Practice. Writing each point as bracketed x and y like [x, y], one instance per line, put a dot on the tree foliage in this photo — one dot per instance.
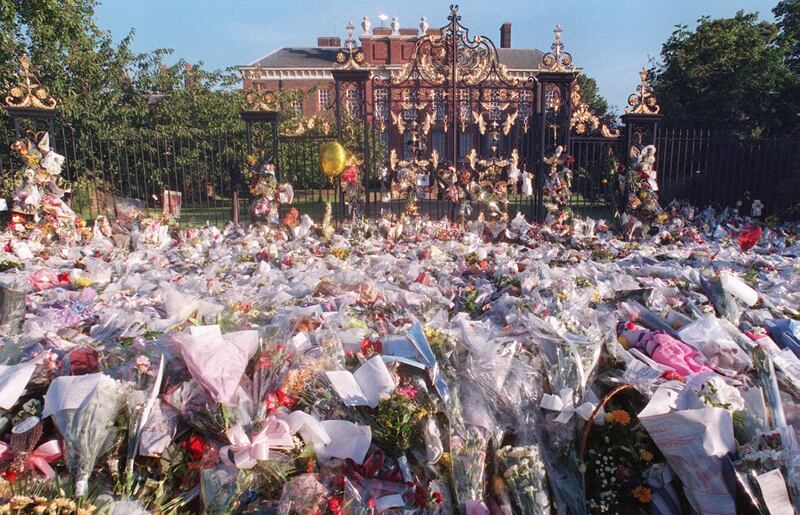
[787, 14]
[728, 74]
[590, 93]
[105, 88]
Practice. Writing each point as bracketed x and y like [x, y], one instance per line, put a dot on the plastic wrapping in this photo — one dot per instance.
[720, 351]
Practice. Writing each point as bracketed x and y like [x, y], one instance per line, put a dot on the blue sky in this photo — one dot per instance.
[609, 39]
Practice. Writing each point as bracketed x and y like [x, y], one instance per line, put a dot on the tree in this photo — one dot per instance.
[590, 94]
[78, 62]
[728, 74]
[787, 14]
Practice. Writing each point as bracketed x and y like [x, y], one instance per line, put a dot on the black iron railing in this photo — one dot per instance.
[693, 165]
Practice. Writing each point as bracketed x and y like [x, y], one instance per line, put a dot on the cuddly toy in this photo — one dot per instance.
[661, 348]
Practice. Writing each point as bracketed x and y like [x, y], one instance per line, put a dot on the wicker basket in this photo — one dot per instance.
[589, 423]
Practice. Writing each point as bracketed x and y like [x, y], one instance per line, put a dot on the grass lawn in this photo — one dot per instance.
[312, 203]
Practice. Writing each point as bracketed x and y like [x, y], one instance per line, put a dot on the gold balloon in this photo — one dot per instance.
[332, 159]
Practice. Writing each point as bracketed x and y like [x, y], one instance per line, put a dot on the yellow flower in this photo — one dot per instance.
[445, 460]
[82, 282]
[620, 417]
[643, 494]
[645, 454]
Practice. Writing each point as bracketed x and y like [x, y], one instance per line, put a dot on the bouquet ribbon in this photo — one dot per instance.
[247, 452]
[40, 458]
[565, 403]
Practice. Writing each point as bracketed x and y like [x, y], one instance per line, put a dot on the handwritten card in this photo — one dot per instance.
[69, 392]
[773, 488]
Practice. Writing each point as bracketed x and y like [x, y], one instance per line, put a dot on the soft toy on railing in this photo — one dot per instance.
[267, 194]
[641, 203]
[38, 209]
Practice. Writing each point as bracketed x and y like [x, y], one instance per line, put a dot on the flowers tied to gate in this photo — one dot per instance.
[350, 174]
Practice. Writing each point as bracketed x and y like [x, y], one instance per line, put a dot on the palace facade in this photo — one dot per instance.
[386, 51]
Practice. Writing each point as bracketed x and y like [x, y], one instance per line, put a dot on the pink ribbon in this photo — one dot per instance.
[41, 458]
[246, 452]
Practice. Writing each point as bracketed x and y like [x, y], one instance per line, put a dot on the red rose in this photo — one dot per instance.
[437, 497]
[84, 360]
[272, 402]
[194, 446]
[335, 505]
[286, 400]
[63, 277]
[350, 174]
[369, 347]
[10, 476]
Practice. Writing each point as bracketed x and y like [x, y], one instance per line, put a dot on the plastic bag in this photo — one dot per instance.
[720, 351]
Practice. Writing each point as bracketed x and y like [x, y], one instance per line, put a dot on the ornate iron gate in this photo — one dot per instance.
[452, 113]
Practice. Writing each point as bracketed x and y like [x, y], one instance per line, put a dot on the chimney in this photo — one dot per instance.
[505, 35]
[332, 41]
[188, 80]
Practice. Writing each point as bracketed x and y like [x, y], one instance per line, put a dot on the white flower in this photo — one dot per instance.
[717, 393]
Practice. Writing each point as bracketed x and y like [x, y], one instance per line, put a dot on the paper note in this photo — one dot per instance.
[347, 441]
[365, 387]
[773, 488]
[13, 380]
[375, 380]
[347, 387]
[696, 444]
[69, 392]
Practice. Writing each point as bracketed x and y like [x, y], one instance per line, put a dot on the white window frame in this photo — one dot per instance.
[324, 99]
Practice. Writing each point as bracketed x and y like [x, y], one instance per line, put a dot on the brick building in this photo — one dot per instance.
[308, 69]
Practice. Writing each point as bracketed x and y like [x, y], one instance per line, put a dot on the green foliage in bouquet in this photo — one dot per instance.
[617, 457]
[395, 421]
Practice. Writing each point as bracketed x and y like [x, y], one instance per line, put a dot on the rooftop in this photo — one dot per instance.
[324, 57]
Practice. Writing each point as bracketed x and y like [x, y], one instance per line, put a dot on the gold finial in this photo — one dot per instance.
[259, 100]
[350, 57]
[643, 101]
[28, 92]
[557, 60]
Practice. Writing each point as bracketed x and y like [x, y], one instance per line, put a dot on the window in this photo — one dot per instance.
[382, 104]
[353, 102]
[494, 111]
[464, 143]
[296, 106]
[437, 142]
[384, 137]
[464, 103]
[525, 104]
[408, 148]
[410, 100]
[439, 105]
[323, 96]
